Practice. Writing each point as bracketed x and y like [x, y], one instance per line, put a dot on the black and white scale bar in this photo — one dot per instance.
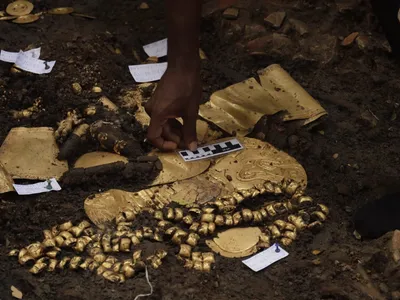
[211, 150]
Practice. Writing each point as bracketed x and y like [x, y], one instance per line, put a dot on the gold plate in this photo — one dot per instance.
[94, 159]
[60, 11]
[236, 242]
[6, 181]
[19, 8]
[31, 153]
[258, 163]
[237, 108]
[7, 18]
[175, 168]
[26, 19]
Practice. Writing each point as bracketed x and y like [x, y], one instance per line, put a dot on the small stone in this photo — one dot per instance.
[281, 44]
[77, 88]
[260, 44]
[363, 42]
[260, 136]
[299, 26]
[349, 39]
[395, 246]
[276, 19]
[396, 295]
[343, 189]
[96, 89]
[316, 252]
[254, 30]
[357, 235]
[231, 13]
[384, 288]
[321, 48]
[144, 5]
[346, 5]
[335, 156]
[316, 262]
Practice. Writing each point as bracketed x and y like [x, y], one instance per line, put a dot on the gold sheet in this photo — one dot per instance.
[31, 153]
[237, 108]
[257, 163]
[98, 158]
[6, 181]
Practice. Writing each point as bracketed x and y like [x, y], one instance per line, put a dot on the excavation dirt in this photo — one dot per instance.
[351, 156]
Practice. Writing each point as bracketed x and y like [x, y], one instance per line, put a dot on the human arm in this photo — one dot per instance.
[179, 91]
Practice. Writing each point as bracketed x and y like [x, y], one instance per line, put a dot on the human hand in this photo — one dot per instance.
[178, 95]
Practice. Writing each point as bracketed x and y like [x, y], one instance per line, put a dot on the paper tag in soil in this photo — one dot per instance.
[158, 49]
[37, 66]
[148, 72]
[12, 57]
[265, 258]
[211, 150]
[37, 188]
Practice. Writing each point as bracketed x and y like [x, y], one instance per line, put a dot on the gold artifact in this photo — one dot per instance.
[6, 181]
[98, 158]
[244, 172]
[26, 19]
[19, 8]
[236, 242]
[30, 153]
[60, 11]
[7, 18]
[237, 108]
[280, 220]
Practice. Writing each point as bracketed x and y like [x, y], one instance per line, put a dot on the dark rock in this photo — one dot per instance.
[299, 26]
[276, 19]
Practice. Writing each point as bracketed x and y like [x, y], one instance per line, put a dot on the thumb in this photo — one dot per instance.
[189, 132]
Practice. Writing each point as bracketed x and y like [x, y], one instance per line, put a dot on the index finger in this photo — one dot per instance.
[154, 136]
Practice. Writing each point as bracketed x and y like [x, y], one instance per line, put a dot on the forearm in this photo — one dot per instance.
[183, 21]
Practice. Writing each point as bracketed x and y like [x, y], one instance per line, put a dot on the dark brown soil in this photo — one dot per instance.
[358, 87]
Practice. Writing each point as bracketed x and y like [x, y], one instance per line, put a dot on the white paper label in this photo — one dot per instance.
[37, 188]
[158, 49]
[148, 72]
[12, 57]
[265, 258]
[27, 63]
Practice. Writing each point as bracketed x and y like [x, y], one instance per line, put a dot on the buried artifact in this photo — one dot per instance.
[31, 153]
[237, 108]
[82, 246]
[240, 172]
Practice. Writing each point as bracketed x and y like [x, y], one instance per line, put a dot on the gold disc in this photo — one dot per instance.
[60, 11]
[19, 8]
[7, 18]
[26, 19]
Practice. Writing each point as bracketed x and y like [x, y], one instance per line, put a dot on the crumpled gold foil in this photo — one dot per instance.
[237, 108]
[257, 163]
[31, 153]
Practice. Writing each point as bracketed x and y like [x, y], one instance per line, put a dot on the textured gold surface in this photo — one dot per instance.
[6, 181]
[26, 19]
[19, 8]
[237, 108]
[31, 153]
[60, 11]
[236, 242]
[241, 171]
[98, 158]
